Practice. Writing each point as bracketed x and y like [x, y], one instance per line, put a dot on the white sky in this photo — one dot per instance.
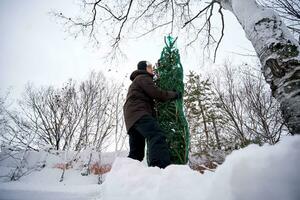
[34, 48]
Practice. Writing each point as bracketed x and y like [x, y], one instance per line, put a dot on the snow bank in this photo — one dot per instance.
[268, 172]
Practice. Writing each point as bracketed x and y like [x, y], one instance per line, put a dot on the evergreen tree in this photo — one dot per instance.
[170, 114]
[203, 114]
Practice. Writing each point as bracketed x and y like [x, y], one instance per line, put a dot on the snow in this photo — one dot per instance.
[260, 173]
[133, 180]
[266, 173]
[44, 183]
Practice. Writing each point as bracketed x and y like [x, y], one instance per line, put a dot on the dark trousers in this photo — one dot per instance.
[148, 128]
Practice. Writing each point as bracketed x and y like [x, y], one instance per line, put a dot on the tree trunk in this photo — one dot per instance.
[216, 133]
[278, 52]
[204, 122]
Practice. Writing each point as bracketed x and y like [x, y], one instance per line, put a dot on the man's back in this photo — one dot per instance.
[138, 102]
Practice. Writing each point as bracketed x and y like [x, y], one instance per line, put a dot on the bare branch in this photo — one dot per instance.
[198, 14]
[222, 32]
[122, 25]
[153, 29]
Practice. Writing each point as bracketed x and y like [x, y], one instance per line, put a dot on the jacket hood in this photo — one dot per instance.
[139, 72]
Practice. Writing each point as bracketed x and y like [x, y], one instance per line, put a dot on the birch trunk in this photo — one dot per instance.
[278, 52]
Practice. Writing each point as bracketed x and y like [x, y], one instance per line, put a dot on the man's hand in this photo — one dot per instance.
[178, 95]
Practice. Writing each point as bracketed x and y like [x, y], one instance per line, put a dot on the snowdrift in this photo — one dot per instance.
[260, 173]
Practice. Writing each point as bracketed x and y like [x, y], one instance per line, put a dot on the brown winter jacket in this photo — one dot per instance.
[141, 95]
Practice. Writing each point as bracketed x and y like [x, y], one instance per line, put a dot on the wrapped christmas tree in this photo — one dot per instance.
[170, 114]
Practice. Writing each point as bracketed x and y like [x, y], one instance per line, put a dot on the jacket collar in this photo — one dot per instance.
[139, 72]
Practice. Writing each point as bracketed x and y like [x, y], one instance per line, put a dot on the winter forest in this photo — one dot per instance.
[232, 131]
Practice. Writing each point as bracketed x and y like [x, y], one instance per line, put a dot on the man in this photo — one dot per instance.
[139, 116]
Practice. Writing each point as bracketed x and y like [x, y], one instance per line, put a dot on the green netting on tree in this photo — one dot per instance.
[170, 115]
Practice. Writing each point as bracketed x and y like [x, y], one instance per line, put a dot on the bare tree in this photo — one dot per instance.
[2, 111]
[72, 117]
[120, 131]
[253, 114]
[104, 116]
[3, 118]
[88, 92]
[264, 119]
[231, 106]
[44, 111]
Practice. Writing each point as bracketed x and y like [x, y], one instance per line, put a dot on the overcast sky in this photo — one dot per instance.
[34, 48]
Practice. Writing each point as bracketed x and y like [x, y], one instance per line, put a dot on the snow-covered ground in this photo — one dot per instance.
[260, 173]
[45, 185]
